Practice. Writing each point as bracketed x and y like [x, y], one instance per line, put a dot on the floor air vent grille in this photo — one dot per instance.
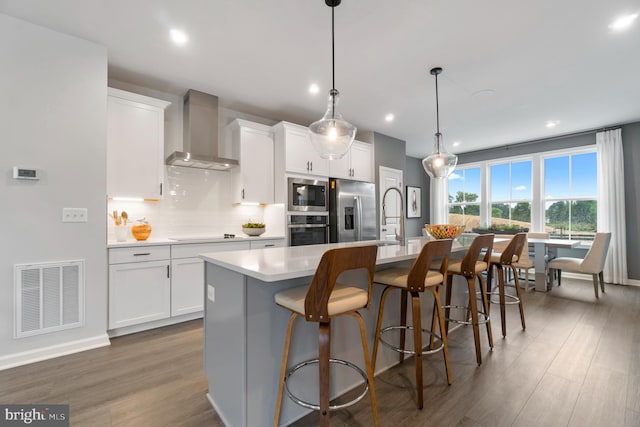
[49, 297]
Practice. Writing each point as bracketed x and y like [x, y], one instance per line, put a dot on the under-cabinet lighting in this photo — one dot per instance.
[127, 199]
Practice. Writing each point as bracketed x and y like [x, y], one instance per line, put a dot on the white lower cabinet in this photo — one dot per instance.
[148, 284]
[139, 292]
[187, 278]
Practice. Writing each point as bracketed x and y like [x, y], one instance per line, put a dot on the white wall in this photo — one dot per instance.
[52, 116]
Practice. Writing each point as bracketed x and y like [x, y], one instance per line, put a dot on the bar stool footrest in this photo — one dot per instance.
[496, 293]
[316, 407]
[410, 352]
[482, 317]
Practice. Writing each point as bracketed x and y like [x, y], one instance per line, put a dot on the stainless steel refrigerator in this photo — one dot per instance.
[352, 211]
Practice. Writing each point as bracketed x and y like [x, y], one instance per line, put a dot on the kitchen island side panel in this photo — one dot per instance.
[225, 343]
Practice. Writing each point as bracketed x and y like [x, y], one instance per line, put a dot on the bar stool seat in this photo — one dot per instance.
[344, 298]
[456, 267]
[320, 302]
[414, 281]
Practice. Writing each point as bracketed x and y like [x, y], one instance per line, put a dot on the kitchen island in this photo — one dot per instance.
[244, 330]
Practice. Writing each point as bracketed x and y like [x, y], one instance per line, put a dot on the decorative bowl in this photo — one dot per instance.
[444, 231]
[253, 231]
[141, 231]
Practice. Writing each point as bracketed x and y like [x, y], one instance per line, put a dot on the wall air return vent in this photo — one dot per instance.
[49, 297]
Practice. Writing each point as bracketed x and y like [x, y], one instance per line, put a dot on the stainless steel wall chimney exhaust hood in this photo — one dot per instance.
[200, 139]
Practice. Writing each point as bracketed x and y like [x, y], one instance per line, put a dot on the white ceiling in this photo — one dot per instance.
[542, 60]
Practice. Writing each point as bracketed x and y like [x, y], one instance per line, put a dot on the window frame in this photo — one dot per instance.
[538, 202]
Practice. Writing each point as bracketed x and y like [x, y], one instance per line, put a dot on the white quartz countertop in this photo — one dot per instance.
[275, 264]
[188, 239]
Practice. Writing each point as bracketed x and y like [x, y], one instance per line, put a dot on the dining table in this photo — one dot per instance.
[542, 247]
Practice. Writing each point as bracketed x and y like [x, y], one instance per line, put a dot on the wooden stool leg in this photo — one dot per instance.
[443, 333]
[369, 368]
[447, 311]
[473, 307]
[283, 369]
[403, 321]
[485, 303]
[434, 319]
[324, 352]
[376, 340]
[520, 303]
[417, 344]
[503, 319]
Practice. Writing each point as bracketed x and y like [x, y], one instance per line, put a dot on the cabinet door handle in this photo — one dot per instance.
[168, 272]
[311, 166]
[243, 194]
[142, 254]
[307, 166]
[161, 189]
[269, 246]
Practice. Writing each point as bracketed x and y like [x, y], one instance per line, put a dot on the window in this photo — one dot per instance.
[554, 192]
[511, 194]
[464, 197]
[571, 196]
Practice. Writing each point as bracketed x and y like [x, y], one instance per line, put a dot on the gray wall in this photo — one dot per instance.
[415, 176]
[53, 109]
[389, 152]
[631, 147]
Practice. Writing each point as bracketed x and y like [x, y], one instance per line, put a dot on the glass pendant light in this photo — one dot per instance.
[440, 163]
[332, 136]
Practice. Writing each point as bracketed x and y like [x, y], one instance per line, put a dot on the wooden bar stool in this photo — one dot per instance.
[415, 281]
[472, 267]
[320, 302]
[507, 260]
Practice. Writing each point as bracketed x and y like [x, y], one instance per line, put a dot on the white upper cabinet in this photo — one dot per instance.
[253, 147]
[357, 164]
[299, 155]
[135, 145]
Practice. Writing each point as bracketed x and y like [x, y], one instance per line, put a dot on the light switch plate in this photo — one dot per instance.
[211, 293]
[74, 214]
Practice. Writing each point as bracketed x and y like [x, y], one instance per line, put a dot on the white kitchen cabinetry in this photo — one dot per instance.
[294, 143]
[268, 243]
[135, 145]
[139, 285]
[187, 279]
[357, 164]
[253, 147]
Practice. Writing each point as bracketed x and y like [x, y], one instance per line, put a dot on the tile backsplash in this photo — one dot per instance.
[197, 202]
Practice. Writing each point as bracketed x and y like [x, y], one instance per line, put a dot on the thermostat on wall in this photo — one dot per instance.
[25, 173]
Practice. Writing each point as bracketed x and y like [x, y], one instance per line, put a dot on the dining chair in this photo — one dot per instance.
[475, 262]
[320, 302]
[501, 262]
[415, 280]
[592, 263]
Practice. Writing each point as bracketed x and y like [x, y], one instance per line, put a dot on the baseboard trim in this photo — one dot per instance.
[126, 330]
[51, 352]
[215, 407]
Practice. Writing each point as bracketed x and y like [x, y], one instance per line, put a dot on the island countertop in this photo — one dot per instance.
[275, 264]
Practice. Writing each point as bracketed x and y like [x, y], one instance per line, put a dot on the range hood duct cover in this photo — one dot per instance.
[200, 138]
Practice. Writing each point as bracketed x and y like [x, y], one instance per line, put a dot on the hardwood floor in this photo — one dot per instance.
[577, 364]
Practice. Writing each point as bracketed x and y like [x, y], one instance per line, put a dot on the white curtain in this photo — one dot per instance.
[439, 200]
[611, 207]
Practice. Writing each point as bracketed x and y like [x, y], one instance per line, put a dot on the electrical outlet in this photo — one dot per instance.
[211, 293]
[74, 214]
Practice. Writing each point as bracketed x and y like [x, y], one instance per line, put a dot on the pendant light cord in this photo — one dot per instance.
[437, 108]
[333, 51]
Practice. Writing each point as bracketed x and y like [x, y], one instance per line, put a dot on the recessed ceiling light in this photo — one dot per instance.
[389, 117]
[456, 143]
[178, 37]
[552, 123]
[623, 22]
[313, 89]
